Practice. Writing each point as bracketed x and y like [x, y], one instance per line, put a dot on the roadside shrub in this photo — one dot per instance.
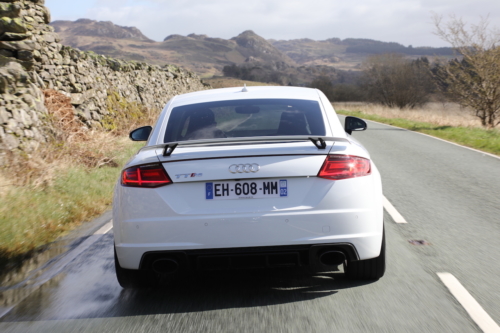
[391, 80]
[348, 93]
[338, 92]
[324, 83]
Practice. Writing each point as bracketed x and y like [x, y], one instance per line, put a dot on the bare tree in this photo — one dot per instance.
[474, 81]
[392, 80]
[323, 83]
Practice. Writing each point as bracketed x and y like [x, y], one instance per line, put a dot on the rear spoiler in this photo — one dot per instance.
[318, 141]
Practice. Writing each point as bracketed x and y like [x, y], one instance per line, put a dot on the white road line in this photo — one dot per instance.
[398, 218]
[477, 313]
[105, 228]
[70, 256]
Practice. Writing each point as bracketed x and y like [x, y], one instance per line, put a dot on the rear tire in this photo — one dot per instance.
[133, 278]
[370, 269]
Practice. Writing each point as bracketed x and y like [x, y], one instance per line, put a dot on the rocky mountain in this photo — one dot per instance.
[257, 48]
[200, 51]
[85, 27]
[247, 46]
[207, 56]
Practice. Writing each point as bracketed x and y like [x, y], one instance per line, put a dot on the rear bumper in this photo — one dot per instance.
[355, 247]
[307, 256]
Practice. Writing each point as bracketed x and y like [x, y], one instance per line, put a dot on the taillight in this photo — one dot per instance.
[152, 175]
[344, 166]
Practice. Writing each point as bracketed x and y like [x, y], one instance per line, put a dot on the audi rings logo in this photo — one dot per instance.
[241, 168]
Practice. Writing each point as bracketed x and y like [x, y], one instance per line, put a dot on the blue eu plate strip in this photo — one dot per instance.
[209, 190]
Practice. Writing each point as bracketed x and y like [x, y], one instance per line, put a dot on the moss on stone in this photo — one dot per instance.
[121, 112]
[9, 9]
[15, 25]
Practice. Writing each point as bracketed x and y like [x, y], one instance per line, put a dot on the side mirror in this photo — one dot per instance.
[354, 124]
[141, 133]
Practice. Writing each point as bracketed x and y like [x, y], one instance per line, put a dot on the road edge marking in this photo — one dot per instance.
[396, 216]
[105, 228]
[435, 137]
[473, 308]
[71, 255]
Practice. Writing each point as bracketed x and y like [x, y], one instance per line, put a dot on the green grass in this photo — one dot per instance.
[477, 138]
[31, 218]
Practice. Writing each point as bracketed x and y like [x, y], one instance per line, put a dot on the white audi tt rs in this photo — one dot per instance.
[259, 177]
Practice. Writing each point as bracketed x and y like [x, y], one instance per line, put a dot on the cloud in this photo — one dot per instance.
[403, 21]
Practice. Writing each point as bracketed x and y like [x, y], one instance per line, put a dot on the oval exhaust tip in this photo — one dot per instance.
[332, 258]
[165, 265]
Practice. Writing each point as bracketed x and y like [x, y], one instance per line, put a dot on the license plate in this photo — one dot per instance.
[246, 189]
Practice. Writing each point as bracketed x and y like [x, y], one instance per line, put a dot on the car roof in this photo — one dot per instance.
[253, 92]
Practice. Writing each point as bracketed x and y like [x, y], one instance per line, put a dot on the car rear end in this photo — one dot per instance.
[272, 183]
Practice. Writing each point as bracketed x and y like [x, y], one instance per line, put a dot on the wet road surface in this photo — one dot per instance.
[88, 299]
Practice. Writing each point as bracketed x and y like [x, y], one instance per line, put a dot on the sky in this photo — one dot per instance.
[408, 22]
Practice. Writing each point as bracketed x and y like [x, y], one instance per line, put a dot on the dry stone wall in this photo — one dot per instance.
[32, 59]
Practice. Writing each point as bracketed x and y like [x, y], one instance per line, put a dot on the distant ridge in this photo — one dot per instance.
[208, 55]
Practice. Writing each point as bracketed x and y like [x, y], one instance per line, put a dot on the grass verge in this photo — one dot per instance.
[477, 138]
[66, 180]
[32, 217]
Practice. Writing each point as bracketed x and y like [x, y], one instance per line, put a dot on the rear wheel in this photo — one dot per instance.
[370, 269]
[134, 279]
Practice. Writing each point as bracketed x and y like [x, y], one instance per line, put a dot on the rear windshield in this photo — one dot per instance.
[244, 118]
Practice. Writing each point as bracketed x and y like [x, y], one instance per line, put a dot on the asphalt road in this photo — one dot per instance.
[450, 197]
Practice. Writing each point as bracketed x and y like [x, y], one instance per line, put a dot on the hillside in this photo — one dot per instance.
[348, 54]
[207, 56]
[200, 53]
